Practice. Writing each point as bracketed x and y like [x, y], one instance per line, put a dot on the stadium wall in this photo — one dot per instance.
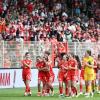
[12, 78]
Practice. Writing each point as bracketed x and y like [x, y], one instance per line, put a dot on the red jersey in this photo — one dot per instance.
[26, 72]
[63, 64]
[40, 64]
[66, 64]
[43, 75]
[63, 71]
[25, 68]
[51, 71]
[95, 64]
[72, 63]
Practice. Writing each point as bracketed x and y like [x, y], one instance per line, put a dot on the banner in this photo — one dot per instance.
[6, 78]
[19, 81]
[10, 78]
[34, 80]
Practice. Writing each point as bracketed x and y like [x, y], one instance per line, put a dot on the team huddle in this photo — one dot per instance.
[71, 71]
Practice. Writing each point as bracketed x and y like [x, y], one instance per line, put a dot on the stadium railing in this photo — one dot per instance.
[11, 52]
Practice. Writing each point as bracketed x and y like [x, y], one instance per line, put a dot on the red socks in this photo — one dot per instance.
[27, 88]
[74, 90]
[61, 90]
[48, 90]
[81, 87]
[66, 91]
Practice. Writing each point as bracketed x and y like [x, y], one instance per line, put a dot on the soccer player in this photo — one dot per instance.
[51, 80]
[43, 75]
[26, 73]
[88, 63]
[49, 74]
[80, 74]
[81, 80]
[62, 74]
[40, 64]
[94, 85]
[72, 76]
[98, 65]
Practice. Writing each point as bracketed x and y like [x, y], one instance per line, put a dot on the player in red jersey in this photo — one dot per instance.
[98, 66]
[63, 64]
[40, 64]
[94, 85]
[80, 75]
[52, 76]
[26, 72]
[51, 80]
[48, 74]
[44, 75]
[81, 80]
[71, 76]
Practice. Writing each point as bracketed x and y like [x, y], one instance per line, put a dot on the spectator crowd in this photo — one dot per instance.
[45, 20]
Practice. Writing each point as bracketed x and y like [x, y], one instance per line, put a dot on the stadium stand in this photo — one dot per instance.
[40, 20]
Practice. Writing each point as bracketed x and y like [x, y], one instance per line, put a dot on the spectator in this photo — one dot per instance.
[36, 21]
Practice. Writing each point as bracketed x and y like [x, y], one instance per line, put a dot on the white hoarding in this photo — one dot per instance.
[6, 78]
[10, 78]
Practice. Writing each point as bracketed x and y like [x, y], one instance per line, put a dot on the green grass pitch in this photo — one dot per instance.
[17, 94]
